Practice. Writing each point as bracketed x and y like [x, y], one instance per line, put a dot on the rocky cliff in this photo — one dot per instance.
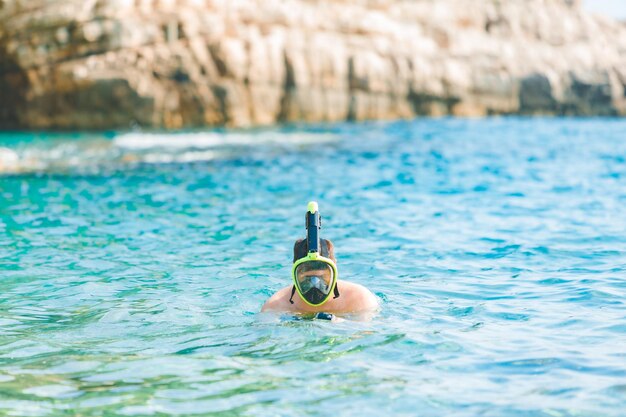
[182, 63]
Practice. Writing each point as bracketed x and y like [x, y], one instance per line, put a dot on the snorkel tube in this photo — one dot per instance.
[313, 226]
[314, 275]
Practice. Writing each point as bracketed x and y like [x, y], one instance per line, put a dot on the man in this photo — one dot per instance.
[315, 279]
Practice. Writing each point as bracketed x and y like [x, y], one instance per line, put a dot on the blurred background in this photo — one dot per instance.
[120, 64]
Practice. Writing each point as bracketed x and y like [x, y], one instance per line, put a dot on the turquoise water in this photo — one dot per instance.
[133, 267]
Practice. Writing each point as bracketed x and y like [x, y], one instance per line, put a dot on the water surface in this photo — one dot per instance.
[133, 267]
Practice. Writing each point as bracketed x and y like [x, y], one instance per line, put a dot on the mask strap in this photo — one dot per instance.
[293, 291]
[336, 292]
[323, 248]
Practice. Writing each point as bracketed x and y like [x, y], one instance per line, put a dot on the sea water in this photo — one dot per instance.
[133, 267]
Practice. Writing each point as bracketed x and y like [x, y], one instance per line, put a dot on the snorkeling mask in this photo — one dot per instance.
[314, 276]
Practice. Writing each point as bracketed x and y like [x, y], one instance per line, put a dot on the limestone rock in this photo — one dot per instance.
[183, 63]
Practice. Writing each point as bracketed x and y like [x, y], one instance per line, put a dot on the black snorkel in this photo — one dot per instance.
[313, 226]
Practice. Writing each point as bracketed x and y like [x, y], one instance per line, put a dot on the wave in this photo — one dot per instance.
[213, 140]
[55, 154]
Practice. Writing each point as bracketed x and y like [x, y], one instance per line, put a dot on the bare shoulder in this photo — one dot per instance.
[358, 297]
[354, 298]
[278, 301]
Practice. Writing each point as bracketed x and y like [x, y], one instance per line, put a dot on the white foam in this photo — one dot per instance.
[9, 160]
[141, 141]
[150, 148]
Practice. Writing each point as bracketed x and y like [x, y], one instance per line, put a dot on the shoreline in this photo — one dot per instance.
[296, 125]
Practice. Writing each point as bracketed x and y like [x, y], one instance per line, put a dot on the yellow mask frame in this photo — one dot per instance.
[314, 256]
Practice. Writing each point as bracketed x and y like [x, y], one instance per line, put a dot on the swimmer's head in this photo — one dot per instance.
[327, 249]
[314, 269]
[314, 273]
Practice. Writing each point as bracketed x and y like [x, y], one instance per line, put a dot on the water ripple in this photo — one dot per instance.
[133, 267]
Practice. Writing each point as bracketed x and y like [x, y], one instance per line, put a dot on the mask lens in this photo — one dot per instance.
[314, 279]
